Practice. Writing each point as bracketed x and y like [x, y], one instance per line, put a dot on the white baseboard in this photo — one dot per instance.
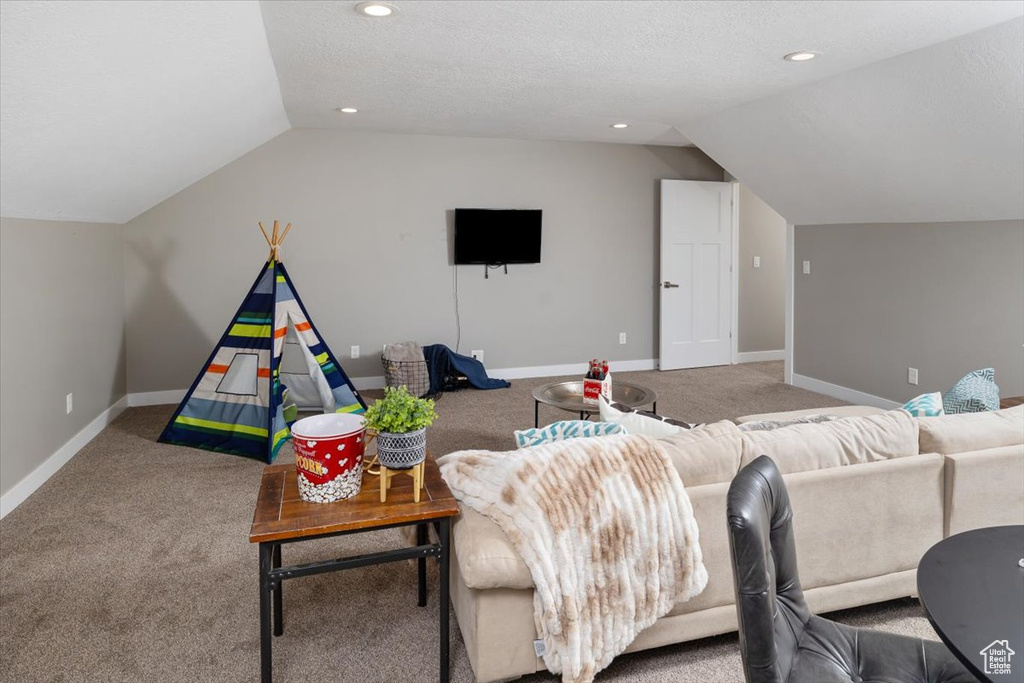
[843, 393]
[172, 396]
[760, 356]
[24, 488]
[578, 369]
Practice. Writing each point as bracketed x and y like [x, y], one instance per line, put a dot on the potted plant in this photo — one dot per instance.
[400, 420]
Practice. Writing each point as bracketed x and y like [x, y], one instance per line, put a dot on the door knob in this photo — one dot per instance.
[669, 285]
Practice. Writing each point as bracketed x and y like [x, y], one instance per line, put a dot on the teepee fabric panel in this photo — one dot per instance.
[215, 418]
[228, 412]
[346, 399]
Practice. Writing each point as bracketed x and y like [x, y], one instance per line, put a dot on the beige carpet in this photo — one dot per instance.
[132, 563]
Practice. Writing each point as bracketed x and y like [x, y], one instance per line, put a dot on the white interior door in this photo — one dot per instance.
[696, 274]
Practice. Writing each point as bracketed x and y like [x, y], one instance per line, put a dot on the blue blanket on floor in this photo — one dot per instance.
[442, 363]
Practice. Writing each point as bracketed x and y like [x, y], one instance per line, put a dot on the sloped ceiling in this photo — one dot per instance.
[107, 108]
[110, 107]
[567, 69]
[933, 135]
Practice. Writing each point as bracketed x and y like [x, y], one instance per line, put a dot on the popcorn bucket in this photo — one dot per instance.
[329, 456]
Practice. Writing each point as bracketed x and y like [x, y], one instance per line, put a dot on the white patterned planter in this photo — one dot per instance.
[401, 451]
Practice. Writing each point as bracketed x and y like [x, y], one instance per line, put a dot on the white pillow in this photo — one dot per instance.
[637, 424]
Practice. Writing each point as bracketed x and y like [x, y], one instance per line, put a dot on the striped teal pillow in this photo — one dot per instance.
[925, 405]
[567, 429]
[974, 393]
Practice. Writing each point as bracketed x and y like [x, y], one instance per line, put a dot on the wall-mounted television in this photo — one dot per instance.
[497, 236]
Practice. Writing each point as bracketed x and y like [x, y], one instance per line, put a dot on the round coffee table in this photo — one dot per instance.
[569, 396]
[971, 586]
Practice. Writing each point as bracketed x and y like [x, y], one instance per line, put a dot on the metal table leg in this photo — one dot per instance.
[443, 540]
[278, 589]
[421, 565]
[536, 413]
[266, 560]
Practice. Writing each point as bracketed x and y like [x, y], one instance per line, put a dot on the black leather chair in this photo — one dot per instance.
[780, 640]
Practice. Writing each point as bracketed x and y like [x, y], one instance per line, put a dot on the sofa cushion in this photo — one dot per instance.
[838, 411]
[706, 455]
[849, 441]
[984, 488]
[768, 425]
[487, 559]
[964, 432]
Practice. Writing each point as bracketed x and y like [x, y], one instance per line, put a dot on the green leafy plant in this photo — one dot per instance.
[400, 412]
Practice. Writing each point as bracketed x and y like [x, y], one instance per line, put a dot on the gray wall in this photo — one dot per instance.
[945, 298]
[369, 253]
[61, 331]
[762, 295]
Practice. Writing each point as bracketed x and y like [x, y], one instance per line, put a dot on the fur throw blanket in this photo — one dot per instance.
[606, 529]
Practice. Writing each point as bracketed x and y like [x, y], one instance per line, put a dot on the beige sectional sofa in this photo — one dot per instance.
[871, 492]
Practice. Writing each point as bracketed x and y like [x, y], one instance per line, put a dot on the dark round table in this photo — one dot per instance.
[972, 588]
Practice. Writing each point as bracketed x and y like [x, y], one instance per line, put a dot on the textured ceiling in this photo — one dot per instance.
[110, 107]
[566, 70]
[933, 135]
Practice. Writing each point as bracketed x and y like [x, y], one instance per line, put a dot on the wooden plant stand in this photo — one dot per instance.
[416, 472]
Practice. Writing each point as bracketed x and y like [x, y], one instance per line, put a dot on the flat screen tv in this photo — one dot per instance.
[497, 236]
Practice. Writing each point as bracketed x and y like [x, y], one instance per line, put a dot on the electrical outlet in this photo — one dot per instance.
[354, 352]
[70, 402]
[622, 337]
[478, 354]
[807, 267]
[912, 376]
[757, 261]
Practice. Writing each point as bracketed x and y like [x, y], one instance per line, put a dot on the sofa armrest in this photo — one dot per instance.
[984, 488]
[486, 557]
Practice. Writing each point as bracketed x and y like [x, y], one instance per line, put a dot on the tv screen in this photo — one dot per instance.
[497, 236]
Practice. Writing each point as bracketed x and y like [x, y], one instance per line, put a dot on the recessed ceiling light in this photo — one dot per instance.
[801, 56]
[620, 125]
[347, 110]
[376, 9]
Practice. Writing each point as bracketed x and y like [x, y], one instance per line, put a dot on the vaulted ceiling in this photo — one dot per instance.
[933, 135]
[912, 112]
[108, 108]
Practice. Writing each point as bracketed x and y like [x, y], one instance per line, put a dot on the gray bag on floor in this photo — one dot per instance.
[404, 366]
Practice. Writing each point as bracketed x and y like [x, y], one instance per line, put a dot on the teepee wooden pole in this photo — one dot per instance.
[265, 235]
[275, 239]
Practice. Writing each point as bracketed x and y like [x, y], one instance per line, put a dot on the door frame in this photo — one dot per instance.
[734, 269]
[734, 272]
[787, 366]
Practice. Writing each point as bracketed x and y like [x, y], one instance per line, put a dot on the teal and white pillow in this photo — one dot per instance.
[567, 429]
[976, 392]
[925, 405]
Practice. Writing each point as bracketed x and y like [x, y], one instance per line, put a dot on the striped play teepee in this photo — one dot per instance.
[235, 404]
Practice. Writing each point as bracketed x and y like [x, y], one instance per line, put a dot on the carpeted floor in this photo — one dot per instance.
[132, 563]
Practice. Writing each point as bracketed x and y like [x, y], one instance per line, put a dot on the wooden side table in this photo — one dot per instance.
[1011, 401]
[282, 517]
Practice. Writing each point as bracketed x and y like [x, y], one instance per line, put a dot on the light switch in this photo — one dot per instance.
[757, 261]
[807, 267]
